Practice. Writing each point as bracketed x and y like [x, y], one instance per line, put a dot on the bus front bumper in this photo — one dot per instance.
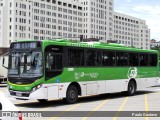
[31, 95]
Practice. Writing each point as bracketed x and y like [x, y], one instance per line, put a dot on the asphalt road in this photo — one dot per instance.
[115, 106]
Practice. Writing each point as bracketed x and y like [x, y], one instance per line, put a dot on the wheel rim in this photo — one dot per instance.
[72, 94]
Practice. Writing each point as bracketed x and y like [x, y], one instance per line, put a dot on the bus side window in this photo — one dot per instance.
[153, 60]
[93, 58]
[108, 58]
[90, 58]
[121, 59]
[143, 59]
[75, 57]
[97, 58]
[133, 59]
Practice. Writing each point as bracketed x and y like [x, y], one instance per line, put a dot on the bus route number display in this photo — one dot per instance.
[27, 45]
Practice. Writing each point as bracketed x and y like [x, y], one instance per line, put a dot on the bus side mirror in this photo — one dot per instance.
[0, 106]
[5, 61]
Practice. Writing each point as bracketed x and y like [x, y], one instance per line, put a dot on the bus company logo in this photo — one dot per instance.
[93, 75]
[82, 74]
[79, 75]
[132, 72]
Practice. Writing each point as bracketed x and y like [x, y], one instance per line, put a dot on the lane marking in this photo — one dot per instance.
[33, 101]
[95, 109]
[146, 105]
[54, 117]
[120, 108]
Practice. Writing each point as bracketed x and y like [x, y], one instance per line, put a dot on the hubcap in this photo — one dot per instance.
[72, 94]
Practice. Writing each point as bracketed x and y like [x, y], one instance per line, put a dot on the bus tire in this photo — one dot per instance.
[131, 88]
[71, 95]
[42, 100]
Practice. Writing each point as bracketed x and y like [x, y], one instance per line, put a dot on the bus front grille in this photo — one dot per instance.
[19, 94]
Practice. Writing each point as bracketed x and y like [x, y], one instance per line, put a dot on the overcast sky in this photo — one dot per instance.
[148, 10]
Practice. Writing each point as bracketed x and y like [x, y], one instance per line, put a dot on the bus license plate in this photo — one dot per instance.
[19, 94]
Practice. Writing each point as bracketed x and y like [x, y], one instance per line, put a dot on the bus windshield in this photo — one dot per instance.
[25, 64]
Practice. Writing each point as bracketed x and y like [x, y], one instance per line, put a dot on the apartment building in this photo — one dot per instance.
[4, 22]
[98, 19]
[41, 19]
[53, 19]
[131, 31]
[48, 19]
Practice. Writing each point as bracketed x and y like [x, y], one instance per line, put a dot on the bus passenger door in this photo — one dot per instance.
[53, 62]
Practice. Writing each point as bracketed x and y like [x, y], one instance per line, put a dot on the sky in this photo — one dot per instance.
[148, 10]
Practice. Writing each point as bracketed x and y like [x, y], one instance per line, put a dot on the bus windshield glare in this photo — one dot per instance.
[25, 64]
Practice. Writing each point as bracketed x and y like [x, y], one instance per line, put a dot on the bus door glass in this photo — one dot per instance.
[54, 62]
[53, 58]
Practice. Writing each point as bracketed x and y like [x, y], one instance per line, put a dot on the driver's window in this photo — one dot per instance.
[37, 60]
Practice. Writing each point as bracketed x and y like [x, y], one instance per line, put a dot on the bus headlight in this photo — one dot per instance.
[36, 87]
[9, 87]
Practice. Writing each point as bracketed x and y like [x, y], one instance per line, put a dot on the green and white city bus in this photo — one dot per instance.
[51, 69]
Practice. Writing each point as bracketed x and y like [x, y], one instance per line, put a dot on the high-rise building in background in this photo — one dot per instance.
[49, 19]
[98, 19]
[131, 31]
[4, 23]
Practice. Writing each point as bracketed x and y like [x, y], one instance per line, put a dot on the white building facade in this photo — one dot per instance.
[42, 19]
[98, 19]
[131, 31]
[4, 23]
[49, 19]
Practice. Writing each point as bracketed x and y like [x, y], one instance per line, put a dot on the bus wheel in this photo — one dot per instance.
[42, 100]
[131, 88]
[71, 95]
